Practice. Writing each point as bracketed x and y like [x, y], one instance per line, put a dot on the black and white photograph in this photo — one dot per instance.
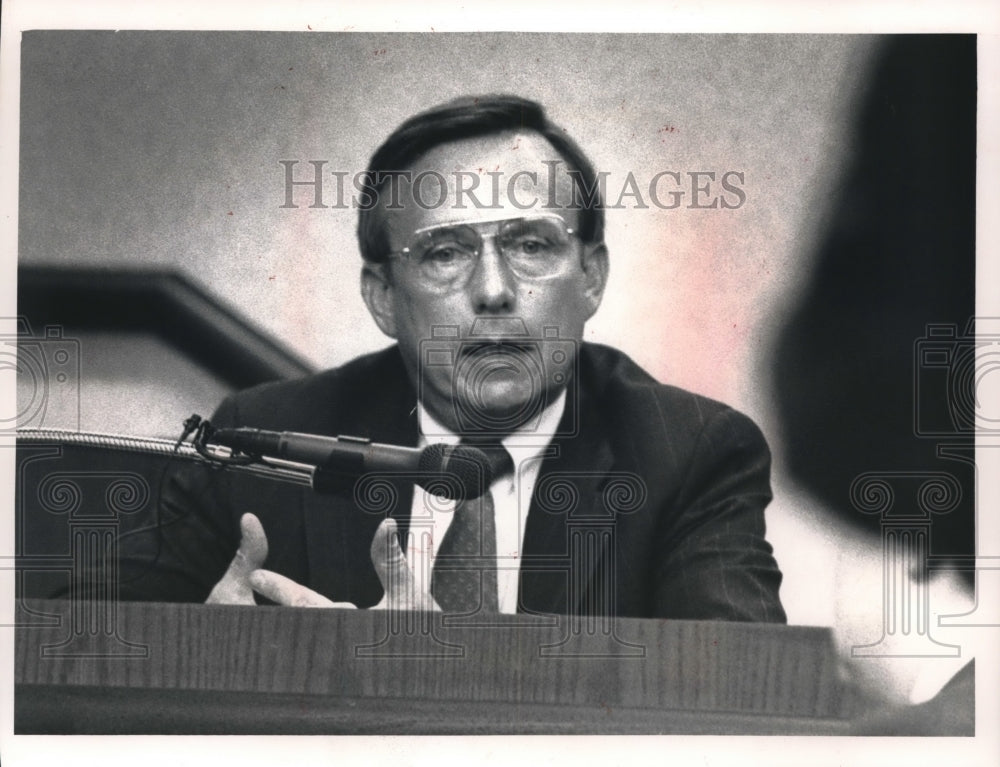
[410, 380]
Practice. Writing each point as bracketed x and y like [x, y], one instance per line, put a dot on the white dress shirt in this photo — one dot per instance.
[431, 515]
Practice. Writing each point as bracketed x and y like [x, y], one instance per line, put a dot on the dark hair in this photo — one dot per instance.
[468, 117]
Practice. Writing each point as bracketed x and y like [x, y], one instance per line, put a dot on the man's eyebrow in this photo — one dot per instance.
[442, 228]
[472, 223]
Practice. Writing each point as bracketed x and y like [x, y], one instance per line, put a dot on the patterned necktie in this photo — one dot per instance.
[465, 575]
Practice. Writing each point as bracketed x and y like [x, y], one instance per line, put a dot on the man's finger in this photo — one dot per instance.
[234, 586]
[394, 572]
[285, 591]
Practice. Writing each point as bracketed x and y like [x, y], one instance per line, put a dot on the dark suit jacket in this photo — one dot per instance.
[655, 508]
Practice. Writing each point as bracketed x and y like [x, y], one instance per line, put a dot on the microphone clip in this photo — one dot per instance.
[202, 431]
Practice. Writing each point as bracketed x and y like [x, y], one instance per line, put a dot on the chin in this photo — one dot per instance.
[501, 408]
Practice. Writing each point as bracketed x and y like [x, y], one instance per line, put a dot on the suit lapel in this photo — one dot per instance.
[567, 503]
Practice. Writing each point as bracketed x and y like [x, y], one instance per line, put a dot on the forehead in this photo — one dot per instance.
[486, 178]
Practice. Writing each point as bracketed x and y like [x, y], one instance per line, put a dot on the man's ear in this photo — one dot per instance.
[595, 274]
[376, 290]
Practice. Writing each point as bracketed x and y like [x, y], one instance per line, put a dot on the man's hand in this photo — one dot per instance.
[246, 576]
[394, 573]
[235, 587]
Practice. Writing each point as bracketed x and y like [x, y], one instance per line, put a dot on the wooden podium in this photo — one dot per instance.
[147, 668]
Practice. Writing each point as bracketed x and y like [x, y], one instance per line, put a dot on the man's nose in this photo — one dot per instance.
[492, 286]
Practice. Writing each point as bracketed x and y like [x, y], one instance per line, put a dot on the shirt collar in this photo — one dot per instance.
[523, 444]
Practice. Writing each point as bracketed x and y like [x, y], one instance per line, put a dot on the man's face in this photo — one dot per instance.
[487, 303]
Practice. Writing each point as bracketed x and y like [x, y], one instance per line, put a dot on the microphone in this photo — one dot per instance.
[467, 467]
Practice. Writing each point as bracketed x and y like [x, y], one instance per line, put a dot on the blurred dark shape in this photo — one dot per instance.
[898, 256]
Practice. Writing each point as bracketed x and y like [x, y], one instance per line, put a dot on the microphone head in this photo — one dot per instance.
[458, 472]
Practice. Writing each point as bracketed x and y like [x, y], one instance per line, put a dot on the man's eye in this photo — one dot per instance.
[531, 246]
[444, 255]
[440, 255]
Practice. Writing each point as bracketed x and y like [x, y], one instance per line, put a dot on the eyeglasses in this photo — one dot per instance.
[443, 257]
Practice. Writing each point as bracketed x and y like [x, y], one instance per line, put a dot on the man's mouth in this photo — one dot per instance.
[477, 349]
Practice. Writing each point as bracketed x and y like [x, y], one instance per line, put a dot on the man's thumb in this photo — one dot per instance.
[253, 545]
[234, 587]
[390, 564]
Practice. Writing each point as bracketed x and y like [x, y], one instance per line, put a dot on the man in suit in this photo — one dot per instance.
[618, 495]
